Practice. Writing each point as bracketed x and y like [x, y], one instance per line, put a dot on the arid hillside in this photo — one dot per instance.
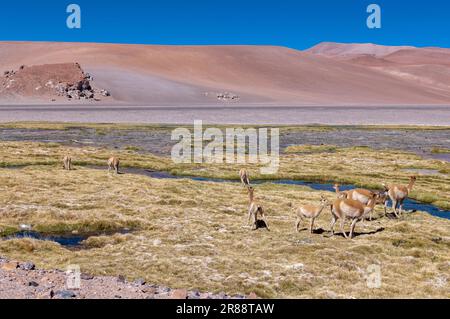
[218, 75]
[427, 67]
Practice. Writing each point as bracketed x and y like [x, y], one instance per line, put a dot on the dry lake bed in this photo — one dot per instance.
[232, 114]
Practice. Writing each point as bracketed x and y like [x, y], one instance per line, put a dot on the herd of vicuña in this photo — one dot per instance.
[354, 205]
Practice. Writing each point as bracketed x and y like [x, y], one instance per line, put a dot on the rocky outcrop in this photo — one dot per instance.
[226, 96]
[65, 81]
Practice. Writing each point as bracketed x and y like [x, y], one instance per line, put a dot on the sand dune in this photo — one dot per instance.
[178, 75]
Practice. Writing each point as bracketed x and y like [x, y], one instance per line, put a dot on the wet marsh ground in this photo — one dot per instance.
[194, 235]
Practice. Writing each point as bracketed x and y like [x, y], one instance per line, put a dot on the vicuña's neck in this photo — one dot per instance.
[411, 185]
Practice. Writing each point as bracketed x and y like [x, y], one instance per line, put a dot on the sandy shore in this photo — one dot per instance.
[279, 115]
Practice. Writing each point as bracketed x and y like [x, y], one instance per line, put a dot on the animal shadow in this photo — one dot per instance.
[261, 224]
[357, 234]
[318, 231]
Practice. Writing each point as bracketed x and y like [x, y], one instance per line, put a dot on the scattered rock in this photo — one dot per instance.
[179, 294]
[297, 267]
[252, 295]
[105, 93]
[140, 282]
[84, 276]
[47, 284]
[65, 294]
[27, 266]
[10, 266]
[194, 295]
[227, 96]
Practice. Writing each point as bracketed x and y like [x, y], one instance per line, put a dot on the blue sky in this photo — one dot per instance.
[292, 23]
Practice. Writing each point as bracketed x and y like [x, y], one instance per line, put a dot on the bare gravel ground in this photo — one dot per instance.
[23, 281]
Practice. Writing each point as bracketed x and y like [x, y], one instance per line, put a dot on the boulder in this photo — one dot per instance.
[65, 294]
[179, 294]
[252, 296]
[140, 282]
[105, 93]
[27, 266]
[121, 279]
[10, 266]
[86, 276]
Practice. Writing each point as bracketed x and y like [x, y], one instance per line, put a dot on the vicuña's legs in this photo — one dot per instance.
[333, 222]
[311, 227]
[400, 207]
[250, 213]
[352, 228]
[297, 223]
[342, 228]
[263, 217]
[394, 207]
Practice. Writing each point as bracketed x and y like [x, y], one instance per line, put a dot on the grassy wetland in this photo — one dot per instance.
[193, 234]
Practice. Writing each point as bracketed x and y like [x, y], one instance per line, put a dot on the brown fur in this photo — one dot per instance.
[351, 209]
[245, 177]
[67, 163]
[339, 193]
[254, 209]
[398, 194]
[310, 212]
[113, 163]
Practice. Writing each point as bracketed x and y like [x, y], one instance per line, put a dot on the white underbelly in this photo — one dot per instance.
[399, 194]
[360, 198]
[349, 210]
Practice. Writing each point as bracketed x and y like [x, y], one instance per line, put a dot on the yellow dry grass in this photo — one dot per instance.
[193, 235]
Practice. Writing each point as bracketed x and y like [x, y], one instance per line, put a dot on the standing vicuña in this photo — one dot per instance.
[398, 194]
[351, 209]
[245, 177]
[363, 196]
[339, 193]
[113, 163]
[67, 163]
[310, 211]
[255, 209]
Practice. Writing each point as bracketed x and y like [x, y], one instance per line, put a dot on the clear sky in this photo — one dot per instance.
[293, 23]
